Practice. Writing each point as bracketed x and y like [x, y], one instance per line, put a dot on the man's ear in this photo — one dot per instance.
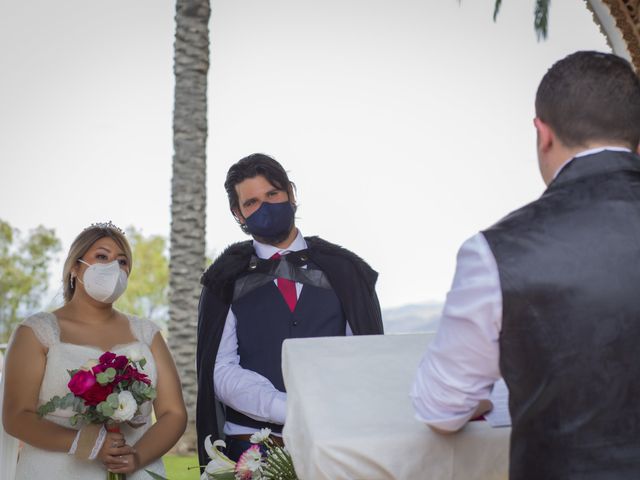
[546, 137]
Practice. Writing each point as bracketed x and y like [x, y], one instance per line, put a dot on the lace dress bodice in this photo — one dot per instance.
[61, 356]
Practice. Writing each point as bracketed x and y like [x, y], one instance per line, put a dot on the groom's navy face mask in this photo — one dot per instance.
[271, 220]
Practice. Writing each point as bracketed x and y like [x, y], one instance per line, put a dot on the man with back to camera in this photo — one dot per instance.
[258, 293]
[548, 296]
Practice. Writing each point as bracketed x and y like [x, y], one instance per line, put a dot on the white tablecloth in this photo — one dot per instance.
[349, 415]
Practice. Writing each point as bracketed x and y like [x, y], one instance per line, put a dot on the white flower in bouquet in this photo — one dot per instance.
[219, 463]
[127, 407]
[261, 436]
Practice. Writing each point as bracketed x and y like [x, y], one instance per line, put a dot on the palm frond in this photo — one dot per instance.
[541, 18]
[496, 9]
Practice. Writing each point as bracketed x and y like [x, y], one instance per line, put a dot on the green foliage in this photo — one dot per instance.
[106, 377]
[180, 467]
[69, 400]
[142, 392]
[540, 17]
[223, 476]
[24, 275]
[105, 409]
[147, 292]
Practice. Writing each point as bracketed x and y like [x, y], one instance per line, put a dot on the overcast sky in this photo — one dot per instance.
[406, 124]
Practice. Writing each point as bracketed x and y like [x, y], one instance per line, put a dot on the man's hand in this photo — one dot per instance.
[483, 407]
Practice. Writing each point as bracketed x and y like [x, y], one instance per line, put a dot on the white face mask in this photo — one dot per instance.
[104, 282]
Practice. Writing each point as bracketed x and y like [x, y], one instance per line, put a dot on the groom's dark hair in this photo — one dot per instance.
[252, 166]
[591, 96]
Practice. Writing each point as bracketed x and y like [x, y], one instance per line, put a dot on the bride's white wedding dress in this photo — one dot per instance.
[35, 463]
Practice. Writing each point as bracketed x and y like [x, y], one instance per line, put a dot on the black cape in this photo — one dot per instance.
[352, 279]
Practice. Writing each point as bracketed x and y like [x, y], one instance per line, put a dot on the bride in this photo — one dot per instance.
[46, 345]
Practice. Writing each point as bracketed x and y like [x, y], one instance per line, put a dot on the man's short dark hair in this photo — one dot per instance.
[252, 166]
[591, 97]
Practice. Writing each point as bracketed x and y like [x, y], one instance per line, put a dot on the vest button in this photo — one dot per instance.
[295, 324]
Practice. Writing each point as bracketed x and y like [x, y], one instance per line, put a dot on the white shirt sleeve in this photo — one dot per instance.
[244, 390]
[461, 364]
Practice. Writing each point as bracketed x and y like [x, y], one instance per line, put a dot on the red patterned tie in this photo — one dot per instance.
[287, 288]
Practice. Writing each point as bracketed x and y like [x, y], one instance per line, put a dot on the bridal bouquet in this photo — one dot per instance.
[106, 391]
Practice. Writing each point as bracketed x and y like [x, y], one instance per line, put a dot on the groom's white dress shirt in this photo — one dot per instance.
[461, 364]
[244, 390]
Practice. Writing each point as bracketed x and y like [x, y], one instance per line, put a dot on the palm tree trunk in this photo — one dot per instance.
[188, 192]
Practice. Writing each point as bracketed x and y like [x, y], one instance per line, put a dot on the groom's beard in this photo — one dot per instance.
[277, 239]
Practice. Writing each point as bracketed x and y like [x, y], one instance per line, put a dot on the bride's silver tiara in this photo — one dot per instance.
[108, 225]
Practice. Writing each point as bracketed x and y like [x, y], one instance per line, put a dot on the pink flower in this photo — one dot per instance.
[82, 381]
[249, 462]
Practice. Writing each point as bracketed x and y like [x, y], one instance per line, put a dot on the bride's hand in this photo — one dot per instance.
[115, 453]
[131, 466]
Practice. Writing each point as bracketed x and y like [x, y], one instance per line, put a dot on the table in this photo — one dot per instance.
[349, 415]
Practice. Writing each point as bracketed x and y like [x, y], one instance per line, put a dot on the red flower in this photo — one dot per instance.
[97, 393]
[110, 360]
[81, 382]
[131, 374]
[141, 377]
[120, 362]
[107, 357]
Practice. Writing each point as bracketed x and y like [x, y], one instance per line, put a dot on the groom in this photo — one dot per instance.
[549, 296]
[257, 294]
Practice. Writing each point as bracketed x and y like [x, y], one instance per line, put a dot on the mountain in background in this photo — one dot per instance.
[415, 318]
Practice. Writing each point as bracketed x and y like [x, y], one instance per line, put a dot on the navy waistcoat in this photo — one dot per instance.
[264, 321]
[569, 266]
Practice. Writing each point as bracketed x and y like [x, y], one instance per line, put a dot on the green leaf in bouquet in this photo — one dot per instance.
[113, 401]
[152, 393]
[69, 400]
[107, 376]
[78, 404]
[48, 407]
[105, 409]
[142, 362]
[74, 419]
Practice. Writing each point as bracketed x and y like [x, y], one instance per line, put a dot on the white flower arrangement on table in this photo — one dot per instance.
[272, 462]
